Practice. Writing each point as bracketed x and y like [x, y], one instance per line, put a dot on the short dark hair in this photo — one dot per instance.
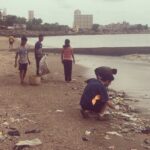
[107, 77]
[114, 71]
[24, 38]
[41, 35]
[67, 43]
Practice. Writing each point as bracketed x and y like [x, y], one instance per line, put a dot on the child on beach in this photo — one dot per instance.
[95, 97]
[23, 59]
[67, 56]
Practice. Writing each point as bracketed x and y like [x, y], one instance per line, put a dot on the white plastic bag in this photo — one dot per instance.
[43, 68]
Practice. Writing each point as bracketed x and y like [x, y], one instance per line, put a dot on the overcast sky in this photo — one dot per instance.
[61, 11]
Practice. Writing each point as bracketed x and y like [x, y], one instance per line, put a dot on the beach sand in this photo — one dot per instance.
[53, 107]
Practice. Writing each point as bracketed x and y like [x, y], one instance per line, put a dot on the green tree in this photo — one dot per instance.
[95, 27]
[10, 20]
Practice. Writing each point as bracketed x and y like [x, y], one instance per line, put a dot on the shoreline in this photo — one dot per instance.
[53, 109]
[19, 33]
[106, 51]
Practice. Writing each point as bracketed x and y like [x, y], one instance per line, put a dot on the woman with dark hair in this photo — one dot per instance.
[67, 56]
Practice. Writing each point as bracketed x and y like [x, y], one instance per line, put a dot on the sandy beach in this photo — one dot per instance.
[53, 110]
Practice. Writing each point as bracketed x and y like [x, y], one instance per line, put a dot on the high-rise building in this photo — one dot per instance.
[1, 14]
[30, 14]
[82, 21]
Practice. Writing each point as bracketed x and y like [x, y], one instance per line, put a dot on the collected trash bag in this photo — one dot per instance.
[43, 68]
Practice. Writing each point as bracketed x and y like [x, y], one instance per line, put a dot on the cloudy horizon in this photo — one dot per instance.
[62, 11]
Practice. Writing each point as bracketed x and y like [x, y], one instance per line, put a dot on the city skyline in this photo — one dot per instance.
[103, 11]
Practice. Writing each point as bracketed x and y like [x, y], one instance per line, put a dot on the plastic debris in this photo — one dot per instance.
[114, 133]
[2, 137]
[59, 110]
[33, 142]
[87, 132]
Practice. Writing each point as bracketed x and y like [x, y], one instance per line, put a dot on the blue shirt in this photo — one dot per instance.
[38, 49]
[94, 93]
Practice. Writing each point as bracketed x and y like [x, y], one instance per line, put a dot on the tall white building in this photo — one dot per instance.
[30, 15]
[82, 21]
[3, 14]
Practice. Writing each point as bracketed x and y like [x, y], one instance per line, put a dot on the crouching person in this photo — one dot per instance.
[95, 97]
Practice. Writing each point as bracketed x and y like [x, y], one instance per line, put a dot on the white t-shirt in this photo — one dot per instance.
[23, 55]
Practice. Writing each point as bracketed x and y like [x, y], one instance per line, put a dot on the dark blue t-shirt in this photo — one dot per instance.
[38, 48]
[94, 89]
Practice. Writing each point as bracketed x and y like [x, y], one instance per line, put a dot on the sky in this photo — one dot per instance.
[62, 11]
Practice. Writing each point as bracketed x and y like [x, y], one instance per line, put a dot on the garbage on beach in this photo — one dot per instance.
[2, 136]
[87, 132]
[43, 68]
[59, 110]
[34, 80]
[114, 133]
[33, 142]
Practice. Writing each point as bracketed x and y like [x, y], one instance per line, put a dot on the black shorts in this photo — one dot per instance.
[23, 66]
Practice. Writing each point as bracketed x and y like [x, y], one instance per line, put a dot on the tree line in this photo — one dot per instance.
[34, 24]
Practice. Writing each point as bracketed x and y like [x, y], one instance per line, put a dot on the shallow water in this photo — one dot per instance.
[82, 41]
[132, 77]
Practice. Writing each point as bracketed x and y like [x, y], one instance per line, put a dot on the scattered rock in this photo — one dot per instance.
[84, 138]
[13, 133]
[146, 130]
[32, 131]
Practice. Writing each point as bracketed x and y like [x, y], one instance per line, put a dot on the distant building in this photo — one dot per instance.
[82, 21]
[3, 14]
[30, 15]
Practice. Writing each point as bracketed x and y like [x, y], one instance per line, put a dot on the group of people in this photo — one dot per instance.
[67, 58]
[95, 96]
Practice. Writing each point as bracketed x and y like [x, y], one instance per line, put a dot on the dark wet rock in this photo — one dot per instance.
[13, 132]
[146, 130]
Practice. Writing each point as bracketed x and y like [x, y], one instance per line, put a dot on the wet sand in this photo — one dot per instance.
[53, 107]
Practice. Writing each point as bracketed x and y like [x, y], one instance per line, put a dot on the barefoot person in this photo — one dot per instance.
[67, 56]
[95, 97]
[23, 59]
[38, 53]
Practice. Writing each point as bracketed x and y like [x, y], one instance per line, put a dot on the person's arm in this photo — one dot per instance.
[62, 51]
[16, 57]
[28, 58]
[111, 105]
[73, 55]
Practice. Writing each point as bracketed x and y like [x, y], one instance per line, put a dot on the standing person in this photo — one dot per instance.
[67, 56]
[100, 71]
[23, 59]
[11, 42]
[95, 97]
[38, 53]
